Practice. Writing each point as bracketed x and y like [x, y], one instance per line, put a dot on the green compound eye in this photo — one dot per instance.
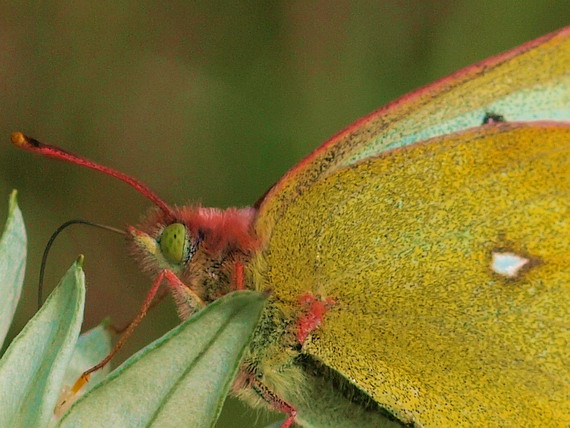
[174, 243]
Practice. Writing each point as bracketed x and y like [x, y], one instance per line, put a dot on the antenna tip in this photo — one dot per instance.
[19, 139]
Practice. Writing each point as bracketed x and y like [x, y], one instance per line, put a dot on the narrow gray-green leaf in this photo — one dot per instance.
[33, 367]
[12, 265]
[181, 379]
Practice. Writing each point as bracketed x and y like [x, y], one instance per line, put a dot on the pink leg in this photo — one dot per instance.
[136, 321]
[238, 276]
[174, 283]
[176, 286]
[187, 301]
[276, 402]
[84, 378]
[313, 317]
[288, 422]
[157, 299]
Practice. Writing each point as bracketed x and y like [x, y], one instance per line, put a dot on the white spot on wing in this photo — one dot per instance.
[508, 264]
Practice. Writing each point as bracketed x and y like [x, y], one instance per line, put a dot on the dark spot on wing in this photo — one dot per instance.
[491, 117]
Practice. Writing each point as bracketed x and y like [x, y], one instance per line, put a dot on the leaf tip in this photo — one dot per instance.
[106, 323]
[13, 200]
[80, 260]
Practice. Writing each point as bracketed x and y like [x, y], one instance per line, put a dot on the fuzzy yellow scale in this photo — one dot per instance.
[404, 244]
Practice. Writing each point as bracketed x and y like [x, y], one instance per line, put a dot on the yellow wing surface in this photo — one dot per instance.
[449, 265]
[531, 82]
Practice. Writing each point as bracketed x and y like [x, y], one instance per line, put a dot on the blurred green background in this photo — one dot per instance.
[208, 101]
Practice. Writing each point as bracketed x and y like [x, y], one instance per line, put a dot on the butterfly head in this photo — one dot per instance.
[200, 245]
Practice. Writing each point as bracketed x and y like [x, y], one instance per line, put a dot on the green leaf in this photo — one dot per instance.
[34, 365]
[12, 265]
[182, 378]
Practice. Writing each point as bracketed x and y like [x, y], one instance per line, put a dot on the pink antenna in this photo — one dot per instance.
[22, 141]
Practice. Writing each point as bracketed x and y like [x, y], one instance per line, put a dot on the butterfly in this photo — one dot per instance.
[417, 264]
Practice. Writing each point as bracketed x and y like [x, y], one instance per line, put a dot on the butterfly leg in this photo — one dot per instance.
[181, 293]
[156, 301]
[275, 402]
[187, 301]
[238, 276]
[315, 309]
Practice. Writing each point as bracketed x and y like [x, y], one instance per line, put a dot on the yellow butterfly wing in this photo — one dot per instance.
[408, 245]
[531, 82]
